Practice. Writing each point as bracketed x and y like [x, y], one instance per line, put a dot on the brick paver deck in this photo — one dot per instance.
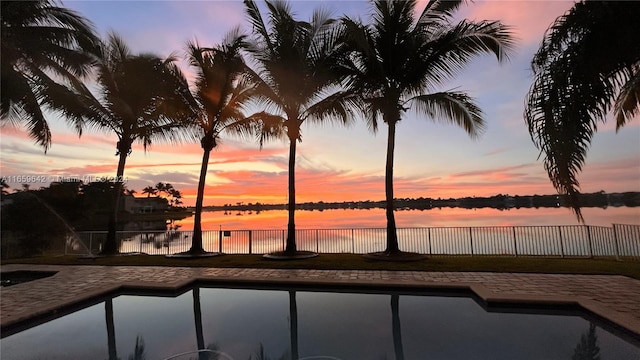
[616, 298]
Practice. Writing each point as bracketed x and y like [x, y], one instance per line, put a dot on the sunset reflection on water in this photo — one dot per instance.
[444, 217]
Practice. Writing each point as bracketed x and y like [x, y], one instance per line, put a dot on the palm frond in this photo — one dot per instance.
[452, 107]
[270, 126]
[574, 85]
[40, 42]
[338, 107]
[438, 11]
[37, 126]
[627, 104]
[442, 57]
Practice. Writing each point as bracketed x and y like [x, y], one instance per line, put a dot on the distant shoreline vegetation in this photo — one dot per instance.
[599, 199]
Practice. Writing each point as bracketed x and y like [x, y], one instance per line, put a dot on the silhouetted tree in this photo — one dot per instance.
[140, 99]
[29, 226]
[294, 65]
[222, 90]
[149, 190]
[399, 61]
[45, 48]
[588, 64]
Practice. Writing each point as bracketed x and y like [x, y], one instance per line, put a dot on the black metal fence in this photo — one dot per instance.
[620, 241]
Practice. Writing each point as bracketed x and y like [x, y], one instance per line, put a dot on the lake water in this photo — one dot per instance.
[487, 231]
[444, 217]
[235, 324]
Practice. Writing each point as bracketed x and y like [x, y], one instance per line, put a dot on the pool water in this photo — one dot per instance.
[241, 324]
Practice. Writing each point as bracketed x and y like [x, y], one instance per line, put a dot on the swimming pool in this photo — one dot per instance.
[304, 323]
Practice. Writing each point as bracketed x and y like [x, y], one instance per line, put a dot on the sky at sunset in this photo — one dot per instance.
[334, 164]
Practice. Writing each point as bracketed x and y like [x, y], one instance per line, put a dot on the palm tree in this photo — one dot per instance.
[141, 98]
[149, 190]
[294, 60]
[161, 187]
[588, 64]
[222, 90]
[399, 61]
[41, 44]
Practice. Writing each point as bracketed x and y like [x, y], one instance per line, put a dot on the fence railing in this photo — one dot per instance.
[557, 241]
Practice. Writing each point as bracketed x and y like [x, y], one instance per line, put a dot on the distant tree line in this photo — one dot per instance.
[502, 202]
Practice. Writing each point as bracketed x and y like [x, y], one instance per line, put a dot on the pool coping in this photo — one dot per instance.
[28, 301]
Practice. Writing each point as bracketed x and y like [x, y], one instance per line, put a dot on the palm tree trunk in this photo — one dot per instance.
[111, 332]
[395, 326]
[196, 241]
[197, 314]
[111, 245]
[392, 237]
[291, 225]
[293, 315]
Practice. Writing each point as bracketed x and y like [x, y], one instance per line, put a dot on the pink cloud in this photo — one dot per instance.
[529, 19]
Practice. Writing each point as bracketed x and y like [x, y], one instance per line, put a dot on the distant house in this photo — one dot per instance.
[144, 205]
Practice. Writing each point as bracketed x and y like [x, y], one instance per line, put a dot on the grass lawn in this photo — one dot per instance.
[357, 262]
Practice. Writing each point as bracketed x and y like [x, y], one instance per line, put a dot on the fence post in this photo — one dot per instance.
[220, 241]
[515, 244]
[429, 236]
[561, 245]
[615, 239]
[317, 246]
[471, 239]
[283, 245]
[141, 243]
[249, 242]
[91, 243]
[589, 239]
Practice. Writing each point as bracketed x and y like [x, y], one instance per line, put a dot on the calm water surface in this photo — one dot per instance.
[327, 219]
[237, 323]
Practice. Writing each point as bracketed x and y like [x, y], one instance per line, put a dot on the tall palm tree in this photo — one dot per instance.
[42, 45]
[141, 99]
[588, 64]
[399, 61]
[294, 60]
[222, 90]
